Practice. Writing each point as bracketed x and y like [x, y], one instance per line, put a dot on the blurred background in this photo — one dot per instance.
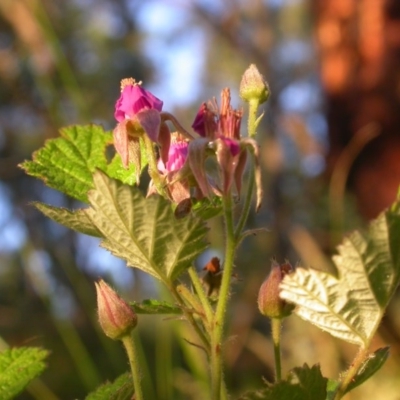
[330, 144]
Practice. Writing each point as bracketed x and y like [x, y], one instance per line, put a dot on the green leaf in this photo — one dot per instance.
[332, 388]
[116, 169]
[303, 383]
[370, 366]
[76, 220]
[18, 367]
[206, 208]
[151, 306]
[144, 231]
[351, 305]
[67, 163]
[120, 389]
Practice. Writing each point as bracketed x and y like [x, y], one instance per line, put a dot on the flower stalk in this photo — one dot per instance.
[276, 339]
[130, 343]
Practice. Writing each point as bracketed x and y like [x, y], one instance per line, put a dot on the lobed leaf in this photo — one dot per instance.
[303, 383]
[76, 220]
[120, 389]
[18, 366]
[351, 305]
[68, 162]
[144, 231]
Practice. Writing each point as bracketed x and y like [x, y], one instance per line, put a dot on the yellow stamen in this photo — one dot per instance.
[129, 81]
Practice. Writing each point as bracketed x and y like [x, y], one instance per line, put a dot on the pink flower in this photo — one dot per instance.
[138, 112]
[177, 183]
[133, 100]
[177, 155]
[220, 131]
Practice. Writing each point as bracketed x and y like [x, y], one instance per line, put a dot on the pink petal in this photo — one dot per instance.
[150, 120]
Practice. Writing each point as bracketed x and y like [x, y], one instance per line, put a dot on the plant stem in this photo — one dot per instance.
[351, 372]
[200, 293]
[252, 120]
[190, 319]
[130, 344]
[247, 204]
[276, 338]
[217, 384]
[251, 130]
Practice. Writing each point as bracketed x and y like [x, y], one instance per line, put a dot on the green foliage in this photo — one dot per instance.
[151, 306]
[351, 306]
[18, 367]
[371, 365]
[206, 208]
[144, 232]
[120, 389]
[332, 388]
[76, 219]
[67, 163]
[302, 383]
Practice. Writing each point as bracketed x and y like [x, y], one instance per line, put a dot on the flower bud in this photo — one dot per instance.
[253, 86]
[269, 302]
[116, 317]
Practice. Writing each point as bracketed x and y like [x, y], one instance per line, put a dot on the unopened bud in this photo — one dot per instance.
[253, 86]
[269, 302]
[116, 317]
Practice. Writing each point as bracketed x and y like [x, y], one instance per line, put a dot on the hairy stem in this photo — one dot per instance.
[200, 293]
[190, 319]
[130, 344]
[217, 384]
[351, 372]
[276, 338]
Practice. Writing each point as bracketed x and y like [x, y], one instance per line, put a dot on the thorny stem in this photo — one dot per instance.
[200, 293]
[351, 372]
[190, 319]
[217, 383]
[276, 338]
[130, 344]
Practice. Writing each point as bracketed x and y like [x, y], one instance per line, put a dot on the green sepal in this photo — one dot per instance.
[151, 306]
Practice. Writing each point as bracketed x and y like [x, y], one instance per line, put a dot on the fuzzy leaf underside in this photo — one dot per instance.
[18, 366]
[302, 383]
[76, 219]
[151, 306]
[68, 162]
[144, 231]
[120, 389]
[351, 306]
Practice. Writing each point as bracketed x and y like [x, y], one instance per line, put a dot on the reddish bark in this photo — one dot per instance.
[359, 45]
